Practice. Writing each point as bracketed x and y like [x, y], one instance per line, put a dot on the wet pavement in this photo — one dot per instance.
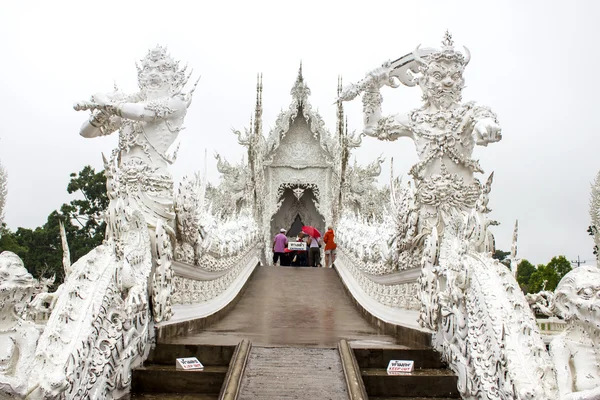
[295, 307]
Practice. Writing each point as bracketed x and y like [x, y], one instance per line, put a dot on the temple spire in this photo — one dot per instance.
[258, 109]
[340, 112]
[300, 89]
[300, 77]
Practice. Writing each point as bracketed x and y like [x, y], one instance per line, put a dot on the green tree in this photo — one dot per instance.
[41, 248]
[561, 265]
[524, 271]
[543, 278]
[549, 274]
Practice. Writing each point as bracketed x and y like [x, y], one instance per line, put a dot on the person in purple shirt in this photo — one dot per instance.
[279, 244]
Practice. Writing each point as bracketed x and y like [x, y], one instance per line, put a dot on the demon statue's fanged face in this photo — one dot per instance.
[442, 74]
[442, 83]
[577, 296]
[158, 72]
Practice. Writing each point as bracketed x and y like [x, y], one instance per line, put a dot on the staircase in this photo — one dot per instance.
[309, 341]
[159, 379]
[430, 379]
[293, 373]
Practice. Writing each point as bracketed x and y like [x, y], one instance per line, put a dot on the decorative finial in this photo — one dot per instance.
[447, 40]
[300, 77]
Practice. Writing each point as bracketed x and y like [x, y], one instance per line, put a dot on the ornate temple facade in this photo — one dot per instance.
[298, 174]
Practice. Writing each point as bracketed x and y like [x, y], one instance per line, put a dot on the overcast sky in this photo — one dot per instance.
[534, 63]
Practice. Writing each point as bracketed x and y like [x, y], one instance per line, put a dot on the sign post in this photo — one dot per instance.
[188, 363]
[398, 367]
[296, 246]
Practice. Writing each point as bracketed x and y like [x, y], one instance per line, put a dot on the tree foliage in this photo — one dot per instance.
[41, 248]
[547, 277]
[524, 271]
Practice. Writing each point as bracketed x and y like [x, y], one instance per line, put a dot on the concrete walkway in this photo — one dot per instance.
[293, 373]
[295, 307]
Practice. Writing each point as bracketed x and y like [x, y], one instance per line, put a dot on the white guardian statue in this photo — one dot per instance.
[445, 130]
[148, 123]
[481, 320]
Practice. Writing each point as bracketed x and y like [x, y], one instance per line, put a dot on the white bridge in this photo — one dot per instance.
[183, 270]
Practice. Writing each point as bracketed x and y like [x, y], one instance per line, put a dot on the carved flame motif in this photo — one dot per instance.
[298, 192]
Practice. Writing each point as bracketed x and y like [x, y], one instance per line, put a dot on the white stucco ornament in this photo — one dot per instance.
[149, 123]
[481, 320]
[3, 192]
[576, 351]
[18, 337]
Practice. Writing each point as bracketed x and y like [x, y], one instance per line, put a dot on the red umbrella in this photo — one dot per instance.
[309, 230]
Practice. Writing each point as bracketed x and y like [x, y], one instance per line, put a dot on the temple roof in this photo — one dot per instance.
[300, 105]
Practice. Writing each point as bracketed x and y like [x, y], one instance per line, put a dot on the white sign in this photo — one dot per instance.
[188, 363]
[296, 245]
[400, 367]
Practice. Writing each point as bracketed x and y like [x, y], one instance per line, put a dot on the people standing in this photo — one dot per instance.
[330, 246]
[279, 244]
[314, 252]
[301, 254]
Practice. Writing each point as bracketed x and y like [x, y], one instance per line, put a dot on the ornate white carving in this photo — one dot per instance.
[3, 192]
[162, 281]
[149, 123]
[194, 291]
[576, 350]
[484, 326]
[399, 295]
[100, 325]
[595, 215]
[18, 337]
[100, 322]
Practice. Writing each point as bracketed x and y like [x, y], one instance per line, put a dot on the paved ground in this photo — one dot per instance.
[295, 307]
[293, 373]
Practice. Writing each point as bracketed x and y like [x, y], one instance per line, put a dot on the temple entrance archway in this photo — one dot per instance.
[298, 207]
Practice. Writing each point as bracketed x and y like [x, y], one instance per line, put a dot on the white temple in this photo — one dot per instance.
[416, 255]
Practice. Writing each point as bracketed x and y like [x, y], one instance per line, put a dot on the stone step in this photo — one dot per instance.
[166, 379]
[412, 398]
[380, 358]
[208, 355]
[293, 373]
[421, 382]
[171, 396]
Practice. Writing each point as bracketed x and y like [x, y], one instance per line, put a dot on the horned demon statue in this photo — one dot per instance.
[481, 321]
[444, 129]
[148, 122]
[100, 319]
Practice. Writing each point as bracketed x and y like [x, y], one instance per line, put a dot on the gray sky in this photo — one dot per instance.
[535, 63]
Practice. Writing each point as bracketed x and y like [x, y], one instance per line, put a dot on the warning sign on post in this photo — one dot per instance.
[188, 363]
[400, 367]
[296, 246]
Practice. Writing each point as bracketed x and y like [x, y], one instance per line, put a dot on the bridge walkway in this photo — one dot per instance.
[292, 306]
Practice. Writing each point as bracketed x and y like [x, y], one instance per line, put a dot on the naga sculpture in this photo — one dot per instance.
[576, 351]
[18, 337]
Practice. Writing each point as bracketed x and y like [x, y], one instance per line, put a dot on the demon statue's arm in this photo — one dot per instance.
[375, 125]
